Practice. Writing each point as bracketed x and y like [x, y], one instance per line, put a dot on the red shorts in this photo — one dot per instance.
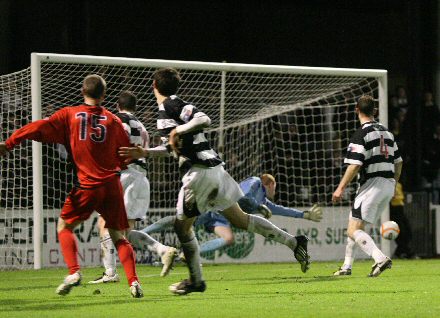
[107, 200]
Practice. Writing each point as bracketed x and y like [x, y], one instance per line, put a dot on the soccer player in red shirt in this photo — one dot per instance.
[92, 136]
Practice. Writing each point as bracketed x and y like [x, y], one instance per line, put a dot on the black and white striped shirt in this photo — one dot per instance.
[138, 135]
[373, 147]
[195, 147]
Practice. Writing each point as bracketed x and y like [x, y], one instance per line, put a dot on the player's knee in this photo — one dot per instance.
[350, 232]
[183, 232]
[229, 239]
[63, 225]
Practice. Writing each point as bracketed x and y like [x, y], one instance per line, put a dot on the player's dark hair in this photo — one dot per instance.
[167, 81]
[127, 101]
[94, 86]
[366, 105]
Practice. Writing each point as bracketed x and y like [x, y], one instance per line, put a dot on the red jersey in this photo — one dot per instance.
[91, 134]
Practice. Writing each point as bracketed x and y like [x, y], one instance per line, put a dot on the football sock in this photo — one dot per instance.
[128, 260]
[366, 243]
[160, 225]
[350, 253]
[69, 248]
[192, 256]
[212, 245]
[143, 241]
[260, 225]
[108, 255]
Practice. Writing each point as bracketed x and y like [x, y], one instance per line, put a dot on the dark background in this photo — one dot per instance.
[397, 35]
[362, 34]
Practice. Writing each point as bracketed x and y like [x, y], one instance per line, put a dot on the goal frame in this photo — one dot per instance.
[37, 155]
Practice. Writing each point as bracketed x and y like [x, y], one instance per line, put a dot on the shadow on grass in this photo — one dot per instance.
[278, 279]
[26, 288]
[73, 302]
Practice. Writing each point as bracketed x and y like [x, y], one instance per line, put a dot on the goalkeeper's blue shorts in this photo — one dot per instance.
[210, 220]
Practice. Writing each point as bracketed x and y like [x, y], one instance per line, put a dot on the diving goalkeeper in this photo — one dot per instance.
[258, 193]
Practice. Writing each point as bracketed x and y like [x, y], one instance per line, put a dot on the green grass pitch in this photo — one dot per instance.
[409, 289]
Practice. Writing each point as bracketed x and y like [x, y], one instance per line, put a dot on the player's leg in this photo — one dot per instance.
[112, 208]
[142, 240]
[350, 253]
[217, 223]
[128, 261]
[369, 204]
[69, 248]
[225, 238]
[160, 225]
[257, 224]
[190, 247]
[79, 206]
[356, 231]
[136, 189]
[108, 255]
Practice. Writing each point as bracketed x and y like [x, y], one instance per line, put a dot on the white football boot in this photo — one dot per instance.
[136, 290]
[167, 260]
[69, 282]
[105, 279]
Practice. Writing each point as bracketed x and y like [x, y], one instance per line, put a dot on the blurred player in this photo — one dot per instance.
[92, 136]
[136, 189]
[206, 185]
[258, 193]
[374, 154]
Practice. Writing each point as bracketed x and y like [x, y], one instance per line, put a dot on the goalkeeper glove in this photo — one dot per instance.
[314, 214]
[264, 210]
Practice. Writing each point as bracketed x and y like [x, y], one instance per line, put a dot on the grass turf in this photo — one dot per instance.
[409, 289]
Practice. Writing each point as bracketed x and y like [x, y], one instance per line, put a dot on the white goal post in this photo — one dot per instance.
[290, 121]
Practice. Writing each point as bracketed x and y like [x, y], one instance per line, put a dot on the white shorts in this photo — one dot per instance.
[372, 199]
[136, 193]
[206, 189]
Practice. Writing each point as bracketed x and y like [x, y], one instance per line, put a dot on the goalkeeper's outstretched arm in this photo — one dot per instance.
[314, 214]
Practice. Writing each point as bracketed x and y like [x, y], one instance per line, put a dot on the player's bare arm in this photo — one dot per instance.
[131, 153]
[173, 140]
[200, 121]
[350, 173]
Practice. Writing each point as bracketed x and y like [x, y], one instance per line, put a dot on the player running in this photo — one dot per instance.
[206, 185]
[374, 154]
[92, 136]
[136, 188]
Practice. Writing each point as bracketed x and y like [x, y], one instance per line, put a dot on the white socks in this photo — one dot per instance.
[260, 225]
[108, 255]
[350, 253]
[366, 243]
[142, 240]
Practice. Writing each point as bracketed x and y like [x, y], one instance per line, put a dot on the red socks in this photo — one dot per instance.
[128, 259]
[69, 248]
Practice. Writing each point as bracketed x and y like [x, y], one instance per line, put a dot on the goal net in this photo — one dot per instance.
[292, 122]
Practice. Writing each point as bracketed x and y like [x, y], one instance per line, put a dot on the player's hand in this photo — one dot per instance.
[265, 211]
[3, 149]
[314, 214]
[131, 153]
[337, 195]
[173, 141]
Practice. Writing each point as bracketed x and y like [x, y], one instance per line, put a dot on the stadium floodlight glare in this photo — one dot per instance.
[293, 122]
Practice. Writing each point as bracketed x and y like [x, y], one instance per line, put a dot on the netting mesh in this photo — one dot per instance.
[16, 173]
[293, 126]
